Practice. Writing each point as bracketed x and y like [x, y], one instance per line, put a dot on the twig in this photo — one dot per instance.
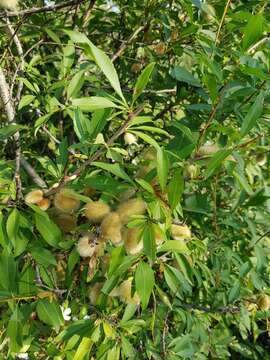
[71, 151]
[222, 20]
[257, 44]
[94, 157]
[18, 45]
[36, 10]
[9, 109]
[127, 43]
[32, 174]
[88, 12]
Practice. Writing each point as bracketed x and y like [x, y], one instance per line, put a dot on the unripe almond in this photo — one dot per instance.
[208, 149]
[65, 200]
[9, 4]
[130, 139]
[34, 196]
[129, 208]
[44, 204]
[111, 228]
[180, 232]
[263, 302]
[86, 245]
[96, 211]
[135, 68]
[133, 240]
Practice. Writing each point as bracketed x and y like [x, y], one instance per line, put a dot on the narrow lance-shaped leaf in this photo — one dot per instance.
[142, 81]
[101, 59]
[253, 30]
[216, 162]
[93, 103]
[162, 167]
[253, 115]
[149, 243]
[144, 281]
[175, 188]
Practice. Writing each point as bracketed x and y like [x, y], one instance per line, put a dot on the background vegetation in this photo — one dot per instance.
[188, 80]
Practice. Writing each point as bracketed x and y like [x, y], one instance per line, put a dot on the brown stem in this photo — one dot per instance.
[36, 10]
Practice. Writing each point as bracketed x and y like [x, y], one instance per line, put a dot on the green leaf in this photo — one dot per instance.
[144, 282]
[9, 130]
[101, 59]
[26, 100]
[27, 281]
[114, 169]
[98, 121]
[15, 330]
[13, 226]
[83, 349]
[146, 138]
[75, 84]
[175, 246]
[114, 353]
[175, 188]
[253, 30]
[240, 177]
[43, 256]
[127, 347]
[48, 229]
[149, 243]
[8, 273]
[253, 115]
[88, 104]
[50, 312]
[181, 74]
[142, 81]
[216, 162]
[162, 167]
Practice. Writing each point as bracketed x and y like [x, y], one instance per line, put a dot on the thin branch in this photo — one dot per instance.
[222, 20]
[32, 174]
[257, 44]
[127, 43]
[9, 110]
[36, 10]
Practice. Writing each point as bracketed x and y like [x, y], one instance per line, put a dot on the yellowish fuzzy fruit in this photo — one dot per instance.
[9, 4]
[193, 171]
[111, 228]
[208, 149]
[44, 204]
[180, 232]
[261, 159]
[124, 292]
[34, 196]
[96, 211]
[129, 208]
[132, 240]
[135, 68]
[94, 293]
[160, 48]
[86, 245]
[65, 200]
[66, 222]
[130, 139]
[263, 302]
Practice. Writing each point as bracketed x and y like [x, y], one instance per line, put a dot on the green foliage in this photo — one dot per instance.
[166, 102]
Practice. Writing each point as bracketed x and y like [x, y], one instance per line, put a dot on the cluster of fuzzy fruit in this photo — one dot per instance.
[111, 225]
[107, 226]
